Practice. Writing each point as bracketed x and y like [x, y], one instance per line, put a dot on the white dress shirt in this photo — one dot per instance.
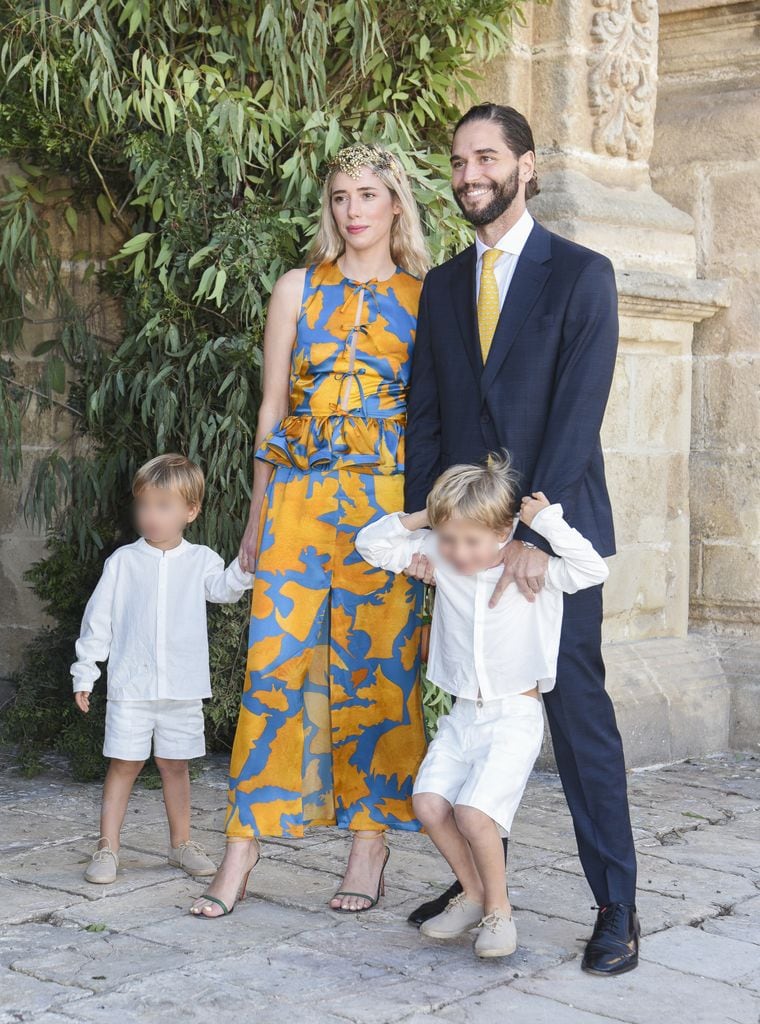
[512, 244]
[481, 652]
[147, 615]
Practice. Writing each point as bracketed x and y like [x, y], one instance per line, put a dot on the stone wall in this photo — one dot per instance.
[706, 160]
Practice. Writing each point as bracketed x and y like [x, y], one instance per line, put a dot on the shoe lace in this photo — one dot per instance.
[455, 903]
[491, 921]
[192, 845]
[103, 854]
[609, 917]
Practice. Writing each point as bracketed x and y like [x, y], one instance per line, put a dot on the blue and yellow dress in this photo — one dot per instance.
[330, 728]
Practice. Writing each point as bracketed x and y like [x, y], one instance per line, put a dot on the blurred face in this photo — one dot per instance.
[161, 514]
[363, 209]
[469, 546]
[486, 176]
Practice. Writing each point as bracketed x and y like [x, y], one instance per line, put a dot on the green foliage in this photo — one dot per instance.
[196, 134]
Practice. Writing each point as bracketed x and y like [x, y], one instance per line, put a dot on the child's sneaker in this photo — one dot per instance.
[497, 935]
[103, 864]
[192, 858]
[458, 918]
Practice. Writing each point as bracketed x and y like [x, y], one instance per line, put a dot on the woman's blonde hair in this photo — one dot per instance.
[408, 248]
[175, 473]
[486, 494]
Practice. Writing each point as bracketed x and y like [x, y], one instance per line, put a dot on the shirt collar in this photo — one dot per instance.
[513, 241]
[180, 549]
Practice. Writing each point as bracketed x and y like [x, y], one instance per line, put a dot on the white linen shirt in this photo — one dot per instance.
[147, 615]
[512, 244]
[481, 652]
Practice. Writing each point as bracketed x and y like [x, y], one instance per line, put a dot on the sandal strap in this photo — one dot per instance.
[219, 903]
[361, 895]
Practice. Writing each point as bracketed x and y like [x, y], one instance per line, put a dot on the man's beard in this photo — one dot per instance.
[502, 198]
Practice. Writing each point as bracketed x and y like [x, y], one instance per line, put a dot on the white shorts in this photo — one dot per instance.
[174, 726]
[482, 756]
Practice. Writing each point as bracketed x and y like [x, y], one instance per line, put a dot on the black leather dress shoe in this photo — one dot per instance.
[438, 905]
[614, 945]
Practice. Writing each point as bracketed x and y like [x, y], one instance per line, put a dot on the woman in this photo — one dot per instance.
[330, 728]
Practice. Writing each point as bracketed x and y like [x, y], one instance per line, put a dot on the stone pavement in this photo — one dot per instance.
[70, 951]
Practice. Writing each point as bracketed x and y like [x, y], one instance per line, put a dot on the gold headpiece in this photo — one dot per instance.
[352, 158]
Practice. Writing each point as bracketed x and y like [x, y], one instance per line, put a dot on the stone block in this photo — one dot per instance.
[742, 930]
[94, 961]
[26, 997]
[660, 403]
[27, 830]
[731, 572]
[724, 503]
[734, 202]
[63, 868]
[671, 698]
[732, 404]
[732, 330]
[732, 777]
[505, 1002]
[698, 126]
[186, 992]
[650, 993]
[27, 902]
[649, 491]
[694, 951]
[565, 894]
[731, 854]
[126, 912]
[636, 592]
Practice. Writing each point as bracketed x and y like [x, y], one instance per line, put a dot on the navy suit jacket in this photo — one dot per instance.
[542, 391]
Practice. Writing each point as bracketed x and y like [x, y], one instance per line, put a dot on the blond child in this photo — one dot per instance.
[147, 616]
[494, 661]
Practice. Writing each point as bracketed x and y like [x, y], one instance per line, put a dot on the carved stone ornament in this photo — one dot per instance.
[622, 82]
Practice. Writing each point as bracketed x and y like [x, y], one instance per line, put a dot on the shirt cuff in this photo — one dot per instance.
[395, 527]
[245, 578]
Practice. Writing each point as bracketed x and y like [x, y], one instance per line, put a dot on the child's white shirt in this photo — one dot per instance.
[147, 616]
[477, 651]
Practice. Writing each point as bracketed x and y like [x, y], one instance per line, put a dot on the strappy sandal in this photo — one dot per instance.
[197, 911]
[373, 901]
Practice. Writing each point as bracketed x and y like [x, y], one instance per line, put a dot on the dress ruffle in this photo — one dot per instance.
[339, 441]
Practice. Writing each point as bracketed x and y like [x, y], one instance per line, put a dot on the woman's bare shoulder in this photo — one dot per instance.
[291, 282]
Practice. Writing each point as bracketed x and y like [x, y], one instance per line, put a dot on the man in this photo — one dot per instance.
[515, 348]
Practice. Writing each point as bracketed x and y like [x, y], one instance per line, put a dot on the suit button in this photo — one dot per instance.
[485, 418]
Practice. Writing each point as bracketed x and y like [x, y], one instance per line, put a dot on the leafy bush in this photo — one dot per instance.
[195, 134]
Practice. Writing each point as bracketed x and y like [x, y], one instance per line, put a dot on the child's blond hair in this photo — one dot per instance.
[485, 493]
[175, 473]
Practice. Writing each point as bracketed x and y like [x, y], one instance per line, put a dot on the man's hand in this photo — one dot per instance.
[82, 700]
[524, 566]
[531, 506]
[421, 568]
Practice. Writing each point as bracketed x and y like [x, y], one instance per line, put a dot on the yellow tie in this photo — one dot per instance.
[488, 300]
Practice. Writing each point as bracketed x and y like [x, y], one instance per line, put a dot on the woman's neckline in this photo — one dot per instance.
[370, 280]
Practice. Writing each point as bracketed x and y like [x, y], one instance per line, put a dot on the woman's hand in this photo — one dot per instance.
[249, 543]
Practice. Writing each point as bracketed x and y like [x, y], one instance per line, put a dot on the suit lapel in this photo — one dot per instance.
[530, 276]
[462, 292]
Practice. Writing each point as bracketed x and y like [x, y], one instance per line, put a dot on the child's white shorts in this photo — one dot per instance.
[483, 754]
[175, 728]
